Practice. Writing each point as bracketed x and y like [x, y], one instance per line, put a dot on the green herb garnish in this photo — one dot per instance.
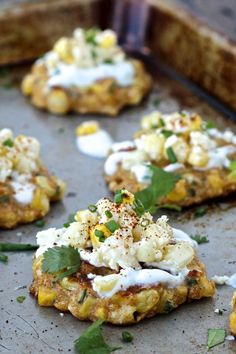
[3, 257]
[215, 336]
[162, 183]
[191, 281]
[170, 207]
[100, 235]
[8, 142]
[168, 307]
[145, 222]
[112, 225]
[61, 259]
[118, 198]
[210, 125]
[109, 61]
[200, 211]
[71, 219]
[161, 122]
[92, 208]
[40, 223]
[127, 337]
[92, 342]
[90, 36]
[171, 155]
[108, 214]
[200, 239]
[166, 133]
[156, 102]
[16, 247]
[83, 296]
[20, 299]
[138, 207]
[4, 199]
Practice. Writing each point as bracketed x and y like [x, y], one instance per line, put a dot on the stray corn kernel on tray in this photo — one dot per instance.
[27, 328]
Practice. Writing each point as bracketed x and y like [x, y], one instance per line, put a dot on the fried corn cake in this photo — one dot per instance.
[115, 263]
[182, 144]
[86, 73]
[26, 187]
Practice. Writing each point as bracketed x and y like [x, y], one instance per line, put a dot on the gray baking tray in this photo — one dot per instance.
[27, 328]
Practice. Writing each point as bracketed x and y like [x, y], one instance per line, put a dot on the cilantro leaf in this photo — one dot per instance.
[170, 207]
[57, 259]
[215, 336]
[92, 341]
[20, 299]
[199, 239]
[162, 183]
[200, 211]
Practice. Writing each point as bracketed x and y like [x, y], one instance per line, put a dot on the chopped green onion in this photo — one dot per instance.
[108, 214]
[15, 247]
[108, 61]
[92, 208]
[118, 198]
[40, 223]
[100, 235]
[66, 225]
[166, 133]
[127, 337]
[8, 142]
[71, 219]
[3, 257]
[112, 225]
[138, 207]
[20, 299]
[171, 155]
[145, 222]
[210, 125]
[83, 296]
[161, 122]
[200, 211]
[232, 165]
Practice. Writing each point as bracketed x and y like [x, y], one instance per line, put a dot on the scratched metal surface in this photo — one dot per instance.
[26, 328]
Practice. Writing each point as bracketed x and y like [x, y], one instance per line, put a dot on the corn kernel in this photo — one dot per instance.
[179, 192]
[58, 101]
[87, 128]
[85, 309]
[46, 296]
[128, 198]
[198, 157]
[151, 120]
[100, 313]
[196, 122]
[95, 240]
[27, 85]
[106, 39]
[40, 201]
[63, 48]
[215, 181]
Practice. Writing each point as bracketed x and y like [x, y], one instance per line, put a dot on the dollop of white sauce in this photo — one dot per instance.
[112, 162]
[180, 235]
[173, 167]
[70, 75]
[129, 277]
[23, 192]
[96, 145]
[225, 280]
[142, 173]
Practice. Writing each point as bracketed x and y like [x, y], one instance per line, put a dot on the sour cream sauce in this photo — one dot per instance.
[70, 75]
[95, 145]
[129, 277]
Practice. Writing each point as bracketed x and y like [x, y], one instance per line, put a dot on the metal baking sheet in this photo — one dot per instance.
[27, 328]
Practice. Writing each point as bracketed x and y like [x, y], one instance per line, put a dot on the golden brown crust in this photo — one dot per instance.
[47, 189]
[125, 307]
[103, 97]
[232, 318]
[195, 186]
